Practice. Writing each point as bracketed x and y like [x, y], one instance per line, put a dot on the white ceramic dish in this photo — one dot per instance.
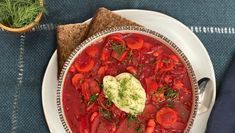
[175, 31]
[128, 29]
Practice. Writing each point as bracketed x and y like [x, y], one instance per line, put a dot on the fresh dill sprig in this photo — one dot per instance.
[18, 13]
[118, 48]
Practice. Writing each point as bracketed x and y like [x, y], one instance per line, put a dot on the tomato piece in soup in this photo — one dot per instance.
[120, 57]
[101, 70]
[105, 54]
[85, 66]
[132, 70]
[92, 50]
[151, 85]
[134, 42]
[150, 126]
[93, 86]
[166, 116]
[77, 78]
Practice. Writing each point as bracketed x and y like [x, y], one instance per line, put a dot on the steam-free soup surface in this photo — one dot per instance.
[163, 106]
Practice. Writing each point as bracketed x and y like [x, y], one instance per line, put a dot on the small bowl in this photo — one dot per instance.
[26, 27]
[171, 45]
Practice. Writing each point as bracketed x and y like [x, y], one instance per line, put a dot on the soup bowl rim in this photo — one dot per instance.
[129, 29]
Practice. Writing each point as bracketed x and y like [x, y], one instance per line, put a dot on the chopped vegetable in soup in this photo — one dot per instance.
[127, 83]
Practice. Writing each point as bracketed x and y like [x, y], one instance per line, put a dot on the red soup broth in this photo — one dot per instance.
[161, 72]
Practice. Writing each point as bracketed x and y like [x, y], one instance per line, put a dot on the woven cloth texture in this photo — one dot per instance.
[24, 57]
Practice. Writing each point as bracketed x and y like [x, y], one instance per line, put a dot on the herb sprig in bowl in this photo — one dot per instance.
[20, 15]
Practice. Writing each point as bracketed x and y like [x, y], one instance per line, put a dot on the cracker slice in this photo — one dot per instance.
[71, 35]
[68, 37]
[105, 19]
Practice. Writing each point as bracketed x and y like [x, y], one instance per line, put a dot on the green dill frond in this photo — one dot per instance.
[18, 13]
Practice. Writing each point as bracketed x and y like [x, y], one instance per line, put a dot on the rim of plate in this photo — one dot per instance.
[142, 30]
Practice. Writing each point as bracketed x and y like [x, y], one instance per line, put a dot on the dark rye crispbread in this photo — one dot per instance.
[68, 37]
[105, 19]
[71, 35]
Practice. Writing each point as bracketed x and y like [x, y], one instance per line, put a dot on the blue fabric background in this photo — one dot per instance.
[224, 105]
[23, 63]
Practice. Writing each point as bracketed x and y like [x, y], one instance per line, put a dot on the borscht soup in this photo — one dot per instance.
[127, 82]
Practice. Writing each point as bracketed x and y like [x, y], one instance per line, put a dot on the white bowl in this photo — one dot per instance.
[135, 29]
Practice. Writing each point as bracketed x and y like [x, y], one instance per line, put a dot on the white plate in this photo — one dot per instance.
[185, 39]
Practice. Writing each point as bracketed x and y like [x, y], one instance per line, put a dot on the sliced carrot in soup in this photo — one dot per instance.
[166, 116]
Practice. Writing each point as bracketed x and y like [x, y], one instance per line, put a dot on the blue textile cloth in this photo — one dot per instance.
[24, 57]
[222, 116]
